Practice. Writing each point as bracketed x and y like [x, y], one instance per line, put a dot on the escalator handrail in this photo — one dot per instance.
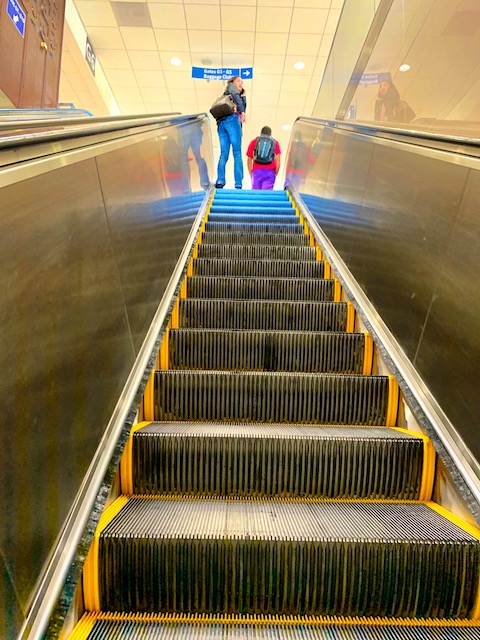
[375, 129]
[78, 127]
[87, 501]
[409, 379]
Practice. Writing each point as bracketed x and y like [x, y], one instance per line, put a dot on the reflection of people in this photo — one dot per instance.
[263, 162]
[300, 159]
[175, 167]
[230, 134]
[389, 107]
[193, 136]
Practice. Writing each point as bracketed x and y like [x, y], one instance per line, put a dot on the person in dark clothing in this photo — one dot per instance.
[389, 107]
[230, 134]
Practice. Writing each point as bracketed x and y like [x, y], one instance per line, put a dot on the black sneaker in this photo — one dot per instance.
[219, 185]
[238, 187]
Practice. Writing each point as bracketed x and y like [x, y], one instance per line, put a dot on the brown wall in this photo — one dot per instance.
[30, 70]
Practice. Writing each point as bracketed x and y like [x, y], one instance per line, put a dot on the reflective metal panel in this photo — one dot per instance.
[87, 250]
[405, 221]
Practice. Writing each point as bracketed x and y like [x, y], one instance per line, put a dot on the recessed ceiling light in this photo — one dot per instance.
[175, 61]
[286, 127]
[404, 67]
[299, 65]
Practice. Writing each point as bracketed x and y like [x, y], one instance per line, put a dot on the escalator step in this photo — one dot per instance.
[268, 315]
[284, 460]
[257, 268]
[255, 227]
[252, 206]
[260, 289]
[286, 557]
[266, 351]
[260, 217]
[306, 398]
[248, 195]
[256, 252]
[251, 237]
[107, 627]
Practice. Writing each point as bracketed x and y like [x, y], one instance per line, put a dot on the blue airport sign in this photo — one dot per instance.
[17, 16]
[372, 78]
[221, 73]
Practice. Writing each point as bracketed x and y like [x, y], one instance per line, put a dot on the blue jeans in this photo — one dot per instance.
[230, 133]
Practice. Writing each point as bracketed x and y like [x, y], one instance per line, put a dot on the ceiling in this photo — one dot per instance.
[135, 41]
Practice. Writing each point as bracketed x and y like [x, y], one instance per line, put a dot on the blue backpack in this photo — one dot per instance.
[264, 151]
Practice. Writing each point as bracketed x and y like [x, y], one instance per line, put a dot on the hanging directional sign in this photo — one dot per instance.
[221, 73]
[17, 16]
[371, 78]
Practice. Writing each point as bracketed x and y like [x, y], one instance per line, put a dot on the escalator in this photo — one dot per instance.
[269, 493]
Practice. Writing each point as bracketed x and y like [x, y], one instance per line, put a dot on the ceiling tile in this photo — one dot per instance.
[177, 96]
[121, 77]
[158, 107]
[129, 94]
[154, 94]
[268, 64]
[320, 65]
[270, 43]
[326, 45]
[273, 19]
[139, 38]
[292, 99]
[332, 21]
[96, 14]
[312, 4]
[179, 80]
[309, 20]
[338, 4]
[240, 59]
[145, 60]
[266, 98]
[236, 41]
[309, 62]
[276, 3]
[172, 39]
[132, 108]
[295, 83]
[234, 19]
[150, 79]
[305, 44]
[112, 58]
[203, 17]
[105, 38]
[245, 3]
[167, 16]
[205, 42]
[185, 67]
[266, 81]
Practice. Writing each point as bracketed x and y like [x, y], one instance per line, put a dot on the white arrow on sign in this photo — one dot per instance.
[246, 73]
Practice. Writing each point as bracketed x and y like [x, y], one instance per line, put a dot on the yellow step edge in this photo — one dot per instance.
[350, 324]
[179, 497]
[126, 461]
[318, 253]
[393, 396]
[149, 398]
[84, 626]
[367, 354]
[91, 592]
[475, 533]
[327, 270]
[261, 619]
[164, 350]
[337, 291]
[429, 458]
[190, 267]
[183, 289]
[195, 249]
[175, 317]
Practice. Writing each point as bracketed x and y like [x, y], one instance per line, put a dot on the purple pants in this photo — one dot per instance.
[263, 178]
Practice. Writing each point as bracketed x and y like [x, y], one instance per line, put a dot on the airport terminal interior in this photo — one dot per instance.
[232, 412]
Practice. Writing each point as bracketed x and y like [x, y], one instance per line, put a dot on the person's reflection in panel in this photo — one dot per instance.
[175, 167]
[389, 107]
[300, 161]
[192, 137]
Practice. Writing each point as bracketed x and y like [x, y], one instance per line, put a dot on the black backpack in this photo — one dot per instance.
[264, 151]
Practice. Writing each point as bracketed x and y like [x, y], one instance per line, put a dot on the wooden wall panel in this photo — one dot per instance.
[31, 65]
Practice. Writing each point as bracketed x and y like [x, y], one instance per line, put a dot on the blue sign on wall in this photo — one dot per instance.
[221, 73]
[17, 16]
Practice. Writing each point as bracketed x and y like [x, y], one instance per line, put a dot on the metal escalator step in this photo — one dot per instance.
[257, 268]
[255, 227]
[310, 352]
[249, 195]
[285, 460]
[105, 626]
[257, 252]
[250, 288]
[252, 207]
[286, 557]
[267, 315]
[256, 218]
[251, 237]
[305, 398]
